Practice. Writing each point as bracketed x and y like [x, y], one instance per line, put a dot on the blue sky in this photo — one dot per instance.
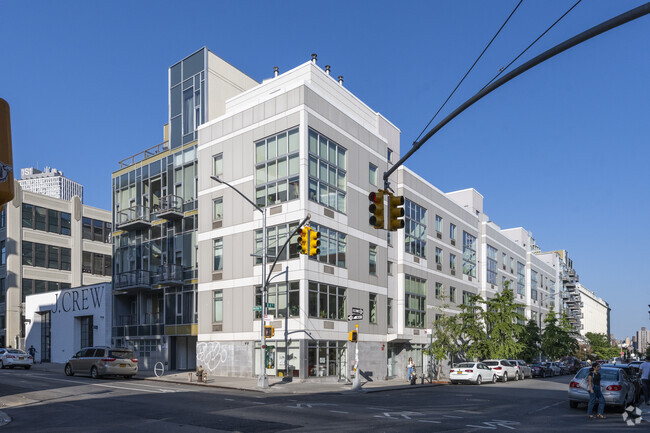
[562, 150]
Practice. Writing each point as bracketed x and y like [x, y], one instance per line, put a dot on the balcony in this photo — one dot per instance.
[170, 208]
[132, 280]
[169, 275]
[134, 218]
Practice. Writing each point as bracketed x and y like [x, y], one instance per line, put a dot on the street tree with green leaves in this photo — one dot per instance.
[471, 329]
[502, 325]
[600, 346]
[529, 339]
[445, 342]
[557, 339]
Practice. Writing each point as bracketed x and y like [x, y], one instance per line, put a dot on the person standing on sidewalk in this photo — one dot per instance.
[32, 351]
[595, 393]
[645, 379]
[410, 369]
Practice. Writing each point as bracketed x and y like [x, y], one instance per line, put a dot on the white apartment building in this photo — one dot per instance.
[594, 312]
[50, 182]
[300, 143]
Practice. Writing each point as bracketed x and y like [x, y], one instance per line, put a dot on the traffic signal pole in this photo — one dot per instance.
[582, 37]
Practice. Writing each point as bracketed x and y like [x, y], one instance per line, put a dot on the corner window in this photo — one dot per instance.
[277, 295]
[217, 254]
[372, 174]
[333, 246]
[277, 168]
[326, 301]
[491, 265]
[327, 172]
[415, 218]
[521, 279]
[469, 255]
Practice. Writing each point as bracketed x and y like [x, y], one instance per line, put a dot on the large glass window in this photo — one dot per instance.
[333, 246]
[491, 265]
[415, 218]
[87, 228]
[65, 223]
[533, 284]
[28, 215]
[469, 255]
[438, 256]
[372, 261]
[372, 174]
[53, 257]
[39, 255]
[327, 172]
[217, 254]
[277, 296]
[217, 165]
[276, 236]
[53, 221]
[28, 254]
[277, 168]
[326, 301]
[521, 278]
[217, 306]
[415, 307]
[40, 220]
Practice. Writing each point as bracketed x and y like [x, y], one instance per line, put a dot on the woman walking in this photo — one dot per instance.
[595, 393]
[410, 368]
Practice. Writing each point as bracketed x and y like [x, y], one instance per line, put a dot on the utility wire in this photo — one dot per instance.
[470, 69]
[502, 70]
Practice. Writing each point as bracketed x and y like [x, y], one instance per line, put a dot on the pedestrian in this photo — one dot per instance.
[645, 379]
[410, 368]
[595, 393]
[32, 352]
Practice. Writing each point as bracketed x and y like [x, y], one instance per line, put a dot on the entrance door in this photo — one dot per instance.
[86, 323]
[46, 337]
[392, 360]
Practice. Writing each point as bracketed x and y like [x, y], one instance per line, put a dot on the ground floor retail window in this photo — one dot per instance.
[327, 358]
[279, 361]
[46, 334]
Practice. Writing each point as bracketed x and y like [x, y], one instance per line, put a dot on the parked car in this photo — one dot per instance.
[101, 361]
[564, 369]
[471, 372]
[503, 369]
[633, 374]
[524, 369]
[15, 358]
[541, 369]
[617, 388]
[573, 363]
[557, 371]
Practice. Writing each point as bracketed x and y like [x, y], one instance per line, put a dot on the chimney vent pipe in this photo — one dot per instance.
[327, 69]
[313, 58]
[276, 71]
[341, 80]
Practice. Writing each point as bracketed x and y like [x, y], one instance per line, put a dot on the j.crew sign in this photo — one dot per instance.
[79, 300]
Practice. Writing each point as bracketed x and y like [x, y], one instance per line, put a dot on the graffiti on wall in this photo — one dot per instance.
[211, 355]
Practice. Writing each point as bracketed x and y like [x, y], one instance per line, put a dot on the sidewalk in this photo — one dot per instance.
[276, 385]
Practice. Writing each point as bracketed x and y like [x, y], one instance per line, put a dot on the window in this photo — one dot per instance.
[333, 246]
[467, 298]
[28, 215]
[40, 220]
[492, 256]
[65, 224]
[86, 228]
[415, 218]
[217, 209]
[533, 316]
[326, 301]
[87, 262]
[52, 221]
[438, 223]
[277, 168]
[452, 262]
[275, 238]
[217, 306]
[372, 260]
[217, 254]
[452, 294]
[504, 260]
[521, 279]
[217, 165]
[3, 253]
[389, 155]
[3, 218]
[2, 292]
[469, 255]
[438, 256]
[512, 265]
[277, 295]
[389, 268]
[53, 257]
[533, 284]
[372, 308]
[98, 231]
[39, 255]
[551, 287]
[327, 172]
[372, 174]
[415, 290]
[439, 290]
[522, 312]
[452, 231]
[389, 239]
[389, 312]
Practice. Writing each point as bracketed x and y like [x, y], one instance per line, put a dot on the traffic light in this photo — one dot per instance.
[352, 336]
[376, 209]
[303, 240]
[314, 242]
[6, 157]
[269, 331]
[395, 212]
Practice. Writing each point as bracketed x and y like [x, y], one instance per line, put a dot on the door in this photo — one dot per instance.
[46, 337]
[392, 360]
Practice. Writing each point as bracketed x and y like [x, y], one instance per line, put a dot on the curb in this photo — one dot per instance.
[4, 419]
[180, 382]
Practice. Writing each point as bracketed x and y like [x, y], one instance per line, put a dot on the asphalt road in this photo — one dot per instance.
[52, 402]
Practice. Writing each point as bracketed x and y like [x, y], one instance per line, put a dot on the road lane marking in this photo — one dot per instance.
[159, 391]
[452, 416]
[547, 407]
[338, 411]
[429, 421]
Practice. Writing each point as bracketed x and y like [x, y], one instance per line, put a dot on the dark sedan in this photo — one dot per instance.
[541, 370]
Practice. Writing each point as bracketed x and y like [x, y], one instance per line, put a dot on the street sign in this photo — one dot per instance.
[270, 305]
[356, 310]
[355, 317]
[257, 308]
[268, 317]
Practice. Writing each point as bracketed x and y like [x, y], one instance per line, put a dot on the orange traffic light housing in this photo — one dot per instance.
[352, 336]
[269, 331]
[314, 242]
[376, 209]
[395, 212]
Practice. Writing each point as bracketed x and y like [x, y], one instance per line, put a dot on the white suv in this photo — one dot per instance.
[503, 369]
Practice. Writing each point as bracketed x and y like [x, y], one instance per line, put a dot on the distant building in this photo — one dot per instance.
[47, 244]
[50, 182]
[643, 340]
[594, 312]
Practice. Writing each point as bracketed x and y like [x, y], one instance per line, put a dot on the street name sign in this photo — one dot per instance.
[257, 308]
[356, 310]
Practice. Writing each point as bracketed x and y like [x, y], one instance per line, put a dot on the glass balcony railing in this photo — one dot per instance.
[170, 207]
[130, 280]
[168, 275]
[133, 218]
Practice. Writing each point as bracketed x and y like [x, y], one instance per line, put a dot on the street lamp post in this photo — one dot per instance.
[262, 378]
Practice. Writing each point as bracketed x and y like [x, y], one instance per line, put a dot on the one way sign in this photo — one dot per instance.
[355, 317]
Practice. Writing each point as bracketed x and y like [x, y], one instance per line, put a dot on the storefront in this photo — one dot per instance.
[60, 323]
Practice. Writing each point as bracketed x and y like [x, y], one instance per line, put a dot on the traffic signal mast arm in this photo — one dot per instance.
[586, 35]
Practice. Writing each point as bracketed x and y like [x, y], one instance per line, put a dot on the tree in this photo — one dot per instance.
[502, 325]
[557, 341]
[529, 339]
[471, 331]
[600, 347]
[445, 344]
[571, 341]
